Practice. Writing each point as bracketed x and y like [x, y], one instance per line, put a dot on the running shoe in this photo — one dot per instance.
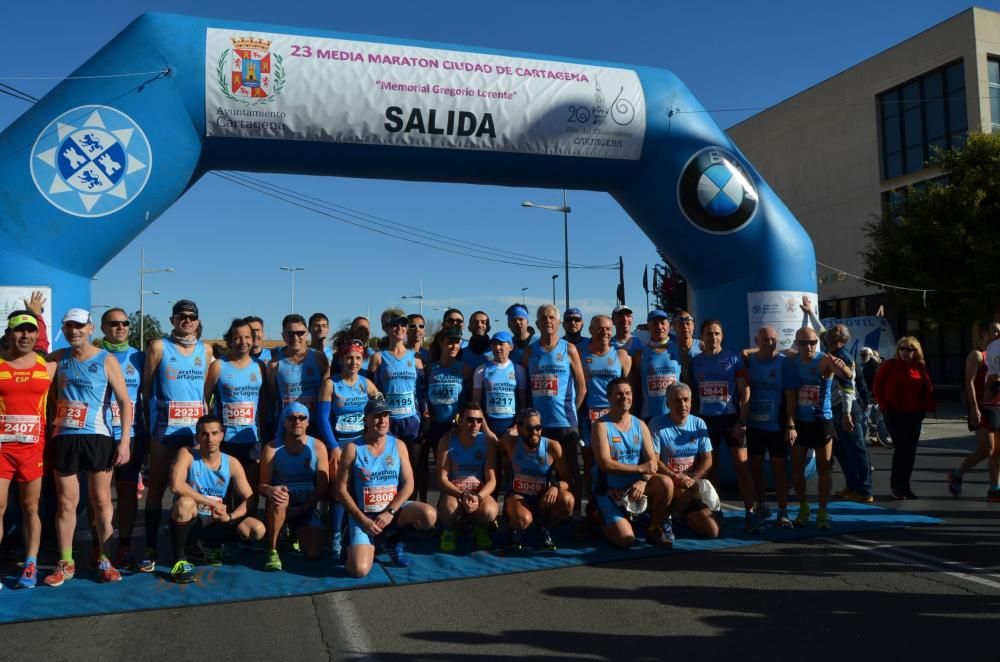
[397, 552]
[214, 555]
[823, 520]
[64, 570]
[954, 483]
[750, 522]
[448, 540]
[107, 572]
[993, 495]
[29, 578]
[482, 537]
[182, 572]
[905, 494]
[139, 487]
[661, 536]
[273, 563]
[124, 558]
[516, 539]
[862, 498]
[783, 521]
[763, 510]
[803, 518]
[547, 541]
[148, 563]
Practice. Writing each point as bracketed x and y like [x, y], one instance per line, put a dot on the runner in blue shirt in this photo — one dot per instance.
[573, 328]
[415, 335]
[621, 317]
[685, 456]
[655, 368]
[445, 378]
[319, 328]
[686, 345]
[296, 373]
[500, 385]
[477, 351]
[375, 482]
[521, 330]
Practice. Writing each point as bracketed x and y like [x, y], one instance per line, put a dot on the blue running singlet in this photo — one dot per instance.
[82, 394]
[297, 472]
[713, 379]
[375, 478]
[299, 382]
[530, 470]
[209, 482]
[178, 390]
[499, 385]
[813, 400]
[444, 391]
[625, 447]
[397, 379]
[680, 445]
[552, 388]
[237, 398]
[132, 363]
[658, 371]
[467, 465]
[347, 413]
[599, 369]
[767, 391]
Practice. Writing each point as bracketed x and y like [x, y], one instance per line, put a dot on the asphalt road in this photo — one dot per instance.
[928, 592]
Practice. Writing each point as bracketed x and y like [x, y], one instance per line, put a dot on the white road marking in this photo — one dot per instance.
[352, 628]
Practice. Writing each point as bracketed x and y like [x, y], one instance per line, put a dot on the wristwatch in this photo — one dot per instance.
[392, 511]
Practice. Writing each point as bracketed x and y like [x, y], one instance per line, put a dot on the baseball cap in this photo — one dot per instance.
[20, 319]
[451, 333]
[184, 306]
[503, 336]
[656, 314]
[621, 309]
[572, 312]
[376, 406]
[78, 315]
[517, 310]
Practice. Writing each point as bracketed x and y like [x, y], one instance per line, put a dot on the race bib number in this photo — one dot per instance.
[762, 412]
[808, 396]
[20, 429]
[657, 385]
[400, 404]
[716, 393]
[205, 510]
[299, 492]
[183, 414]
[350, 423]
[528, 485]
[240, 413]
[116, 413]
[594, 414]
[467, 483]
[443, 396]
[544, 385]
[378, 497]
[500, 405]
[680, 465]
[71, 414]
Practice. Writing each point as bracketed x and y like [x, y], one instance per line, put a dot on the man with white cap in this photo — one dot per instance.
[621, 317]
[25, 378]
[82, 440]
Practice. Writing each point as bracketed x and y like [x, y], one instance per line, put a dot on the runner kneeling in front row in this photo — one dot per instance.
[626, 484]
[294, 477]
[375, 481]
[200, 478]
[467, 456]
[532, 493]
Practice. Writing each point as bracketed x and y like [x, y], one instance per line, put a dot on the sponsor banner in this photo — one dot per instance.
[872, 332]
[779, 309]
[12, 297]
[287, 87]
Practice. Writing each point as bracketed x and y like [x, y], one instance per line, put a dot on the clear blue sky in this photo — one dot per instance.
[732, 54]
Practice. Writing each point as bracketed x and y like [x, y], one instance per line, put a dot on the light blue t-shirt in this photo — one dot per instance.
[679, 445]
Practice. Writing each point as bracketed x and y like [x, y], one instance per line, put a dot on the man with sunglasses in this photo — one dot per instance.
[809, 420]
[115, 326]
[297, 372]
[573, 328]
[466, 457]
[86, 378]
[173, 379]
[454, 319]
[415, 334]
[25, 378]
[539, 486]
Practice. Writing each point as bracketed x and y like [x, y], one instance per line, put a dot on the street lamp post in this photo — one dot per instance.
[142, 292]
[292, 271]
[417, 296]
[565, 209]
[523, 290]
[554, 276]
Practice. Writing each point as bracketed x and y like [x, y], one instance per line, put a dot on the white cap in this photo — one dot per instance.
[78, 315]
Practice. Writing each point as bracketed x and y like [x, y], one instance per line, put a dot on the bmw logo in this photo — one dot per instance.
[91, 161]
[716, 192]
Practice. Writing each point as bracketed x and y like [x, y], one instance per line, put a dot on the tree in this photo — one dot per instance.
[943, 237]
[151, 330]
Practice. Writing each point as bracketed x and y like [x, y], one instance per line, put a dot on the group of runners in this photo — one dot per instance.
[525, 425]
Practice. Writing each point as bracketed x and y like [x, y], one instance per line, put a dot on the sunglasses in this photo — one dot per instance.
[296, 418]
[416, 326]
[684, 319]
[118, 323]
[533, 428]
[186, 318]
[474, 420]
[297, 334]
[454, 320]
[806, 343]
[396, 325]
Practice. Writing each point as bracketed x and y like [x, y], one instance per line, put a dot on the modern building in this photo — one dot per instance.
[841, 152]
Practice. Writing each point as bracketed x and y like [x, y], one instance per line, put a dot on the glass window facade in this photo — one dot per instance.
[993, 69]
[923, 114]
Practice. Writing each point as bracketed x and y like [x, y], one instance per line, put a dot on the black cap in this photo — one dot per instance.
[185, 306]
[376, 405]
[451, 333]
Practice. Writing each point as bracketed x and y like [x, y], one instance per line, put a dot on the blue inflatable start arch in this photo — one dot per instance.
[103, 155]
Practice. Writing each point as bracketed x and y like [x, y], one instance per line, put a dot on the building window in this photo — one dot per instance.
[894, 200]
[993, 67]
[925, 114]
